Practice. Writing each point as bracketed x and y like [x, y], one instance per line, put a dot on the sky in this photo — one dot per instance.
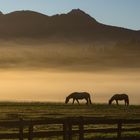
[122, 13]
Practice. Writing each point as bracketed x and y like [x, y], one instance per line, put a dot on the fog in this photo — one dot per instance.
[54, 86]
[50, 71]
[68, 56]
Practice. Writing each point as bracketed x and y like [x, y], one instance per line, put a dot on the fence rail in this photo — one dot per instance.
[67, 130]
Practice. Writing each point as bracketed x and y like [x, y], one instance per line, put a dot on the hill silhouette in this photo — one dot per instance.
[73, 26]
[72, 41]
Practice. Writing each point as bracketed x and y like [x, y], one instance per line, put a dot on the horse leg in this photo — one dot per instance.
[86, 100]
[117, 102]
[125, 102]
[77, 101]
[73, 101]
[89, 100]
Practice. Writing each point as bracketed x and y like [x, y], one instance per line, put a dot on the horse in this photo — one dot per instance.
[117, 97]
[79, 96]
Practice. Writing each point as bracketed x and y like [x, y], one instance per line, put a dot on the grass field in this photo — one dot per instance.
[37, 110]
[40, 110]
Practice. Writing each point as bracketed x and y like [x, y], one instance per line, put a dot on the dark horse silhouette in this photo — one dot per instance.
[117, 97]
[78, 96]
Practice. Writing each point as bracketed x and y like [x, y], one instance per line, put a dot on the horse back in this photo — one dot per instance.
[120, 96]
[80, 95]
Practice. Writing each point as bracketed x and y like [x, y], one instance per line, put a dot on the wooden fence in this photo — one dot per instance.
[67, 130]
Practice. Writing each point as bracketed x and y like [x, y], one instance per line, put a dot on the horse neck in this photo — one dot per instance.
[67, 99]
[112, 99]
[70, 96]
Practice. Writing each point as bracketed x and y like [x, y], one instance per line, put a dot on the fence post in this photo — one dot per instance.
[81, 128]
[65, 131]
[69, 131]
[21, 129]
[30, 137]
[119, 129]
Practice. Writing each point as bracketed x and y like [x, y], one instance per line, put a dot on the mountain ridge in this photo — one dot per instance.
[75, 25]
[72, 41]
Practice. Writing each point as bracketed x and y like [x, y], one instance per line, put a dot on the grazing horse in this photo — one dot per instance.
[78, 96]
[117, 97]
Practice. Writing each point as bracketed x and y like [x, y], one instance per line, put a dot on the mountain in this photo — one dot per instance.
[73, 26]
[1, 13]
[72, 41]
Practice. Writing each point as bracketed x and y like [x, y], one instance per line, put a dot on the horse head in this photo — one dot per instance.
[110, 101]
[67, 100]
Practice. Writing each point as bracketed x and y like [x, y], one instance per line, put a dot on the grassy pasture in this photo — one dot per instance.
[39, 110]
